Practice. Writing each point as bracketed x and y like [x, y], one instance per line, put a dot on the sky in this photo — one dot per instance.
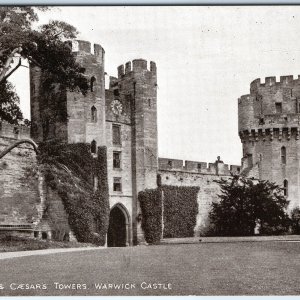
[206, 58]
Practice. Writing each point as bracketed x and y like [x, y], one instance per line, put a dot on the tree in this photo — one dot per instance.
[295, 220]
[244, 203]
[46, 48]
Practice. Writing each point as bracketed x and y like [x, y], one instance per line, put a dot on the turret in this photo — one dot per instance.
[84, 116]
[269, 126]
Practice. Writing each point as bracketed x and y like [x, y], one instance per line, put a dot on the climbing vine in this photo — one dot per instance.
[180, 208]
[70, 170]
[150, 202]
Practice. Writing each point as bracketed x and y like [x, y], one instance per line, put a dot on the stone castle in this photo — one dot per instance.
[124, 119]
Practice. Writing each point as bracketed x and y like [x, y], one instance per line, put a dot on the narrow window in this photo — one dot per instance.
[158, 180]
[283, 155]
[93, 80]
[93, 147]
[117, 184]
[199, 167]
[285, 188]
[116, 160]
[94, 114]
[278, 107]
[170, 164]
[116, 131]
[95, 183]
[44, 235]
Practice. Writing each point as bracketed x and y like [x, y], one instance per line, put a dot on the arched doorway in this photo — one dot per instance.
[118, 229]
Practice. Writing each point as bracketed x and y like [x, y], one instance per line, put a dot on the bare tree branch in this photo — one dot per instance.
[7, 64]
[13, 70]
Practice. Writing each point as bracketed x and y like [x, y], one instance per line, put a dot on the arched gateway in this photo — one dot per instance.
[118, 234]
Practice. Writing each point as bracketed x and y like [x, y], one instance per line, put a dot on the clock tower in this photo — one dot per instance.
[131, 108]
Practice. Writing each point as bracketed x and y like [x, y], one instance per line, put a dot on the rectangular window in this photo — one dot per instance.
[117, 184]
[199, 166]
[116, 132]
[278, 107]
[117, 160]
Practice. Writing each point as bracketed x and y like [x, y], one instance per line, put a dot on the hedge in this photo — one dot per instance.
[69, 169]
[180, 208]
[150, 202]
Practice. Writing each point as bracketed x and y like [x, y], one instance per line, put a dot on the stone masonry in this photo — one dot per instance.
[269, 119]
[124, 119]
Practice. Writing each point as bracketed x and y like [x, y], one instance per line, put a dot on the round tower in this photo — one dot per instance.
[269, 124]
[85, 122]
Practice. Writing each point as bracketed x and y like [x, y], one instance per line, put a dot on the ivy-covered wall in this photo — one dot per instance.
[180, 210]
[80, 180]
[179, 206]
[150, 202]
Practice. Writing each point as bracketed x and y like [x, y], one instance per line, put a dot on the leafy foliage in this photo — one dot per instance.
[243, 203]
[180, 210]
[150, 202]
[46, 48]
[9, 100]
[295, 220]
[70, 170]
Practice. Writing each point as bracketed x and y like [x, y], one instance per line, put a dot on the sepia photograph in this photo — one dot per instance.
[149, 150]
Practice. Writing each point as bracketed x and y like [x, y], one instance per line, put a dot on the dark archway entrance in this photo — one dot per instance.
[117, 235]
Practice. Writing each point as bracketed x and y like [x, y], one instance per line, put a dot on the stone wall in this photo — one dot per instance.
[268, 121]
[25, 202]
[208, 192]
[174, 172]
[18, 184]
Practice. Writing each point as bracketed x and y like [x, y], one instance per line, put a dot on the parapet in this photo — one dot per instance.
[136, 66]
[113, 81]
[216, 168]
[271, 81]
[86, 47]
[8, 130]
[245, 99]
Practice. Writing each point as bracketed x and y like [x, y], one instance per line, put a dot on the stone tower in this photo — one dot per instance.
[81, 119]
[135, 89]
[269, 124]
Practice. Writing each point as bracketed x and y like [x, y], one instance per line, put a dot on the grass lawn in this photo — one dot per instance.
[241, 268]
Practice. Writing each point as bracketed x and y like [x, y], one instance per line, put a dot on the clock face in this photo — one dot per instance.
[116, 107]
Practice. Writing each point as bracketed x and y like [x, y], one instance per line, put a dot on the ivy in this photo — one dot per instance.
[150, 202]
[69, 169]
[180, 208]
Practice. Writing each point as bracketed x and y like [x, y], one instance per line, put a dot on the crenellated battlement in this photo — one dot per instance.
[216, 168]
[270, 104]
[136, 66]
[8, 130]
[245, 99]
[85, 47]
[271, 81]
[270, 134]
